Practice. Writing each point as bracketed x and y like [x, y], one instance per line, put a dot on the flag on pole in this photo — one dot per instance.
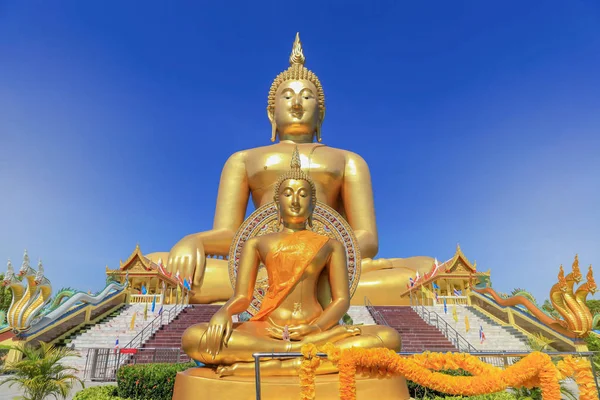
[412, 282]
[146, 312]
[457, 292]
[132, 324]
[481, 334]
[437, 298]
[467, 326]
[144, 291]
[454, 313]
[153, 303]
[117, 345]
[435, 286]
[417, 277]
[186, 284]
[445, 307]
[160, 310]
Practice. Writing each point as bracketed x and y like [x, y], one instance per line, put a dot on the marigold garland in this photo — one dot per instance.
[310, 363]
[535, 369]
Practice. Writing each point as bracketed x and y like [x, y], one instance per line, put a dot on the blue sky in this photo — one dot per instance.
[479, 121]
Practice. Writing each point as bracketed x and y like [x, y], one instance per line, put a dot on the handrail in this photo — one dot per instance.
[377, 316]
[446, 329]
[158, 322]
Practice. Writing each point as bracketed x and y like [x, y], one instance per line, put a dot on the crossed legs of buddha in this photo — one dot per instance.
[236, 358]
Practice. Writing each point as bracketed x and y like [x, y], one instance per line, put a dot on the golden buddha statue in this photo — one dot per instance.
[294, 257]
[296, 110]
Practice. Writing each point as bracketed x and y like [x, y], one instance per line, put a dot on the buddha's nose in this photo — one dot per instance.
[296, 105]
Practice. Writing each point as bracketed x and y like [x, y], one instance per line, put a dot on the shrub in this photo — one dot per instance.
[148, 381]
[107, 392]
[492, 396]
[419, 392]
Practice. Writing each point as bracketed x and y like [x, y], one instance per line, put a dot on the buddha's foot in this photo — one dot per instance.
[267, 368]
[333, 335]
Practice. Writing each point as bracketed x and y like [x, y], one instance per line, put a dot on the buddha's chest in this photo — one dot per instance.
[324, 167]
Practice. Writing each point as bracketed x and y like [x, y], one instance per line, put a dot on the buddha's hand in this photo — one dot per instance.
[218, 333]
[187, 257]
[297, 332]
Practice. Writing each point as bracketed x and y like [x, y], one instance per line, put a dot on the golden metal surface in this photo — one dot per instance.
[190, 383]
[299, 257]
[296, 109]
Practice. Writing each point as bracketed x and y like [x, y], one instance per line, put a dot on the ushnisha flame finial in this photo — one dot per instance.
[297, 56]
[296, 165]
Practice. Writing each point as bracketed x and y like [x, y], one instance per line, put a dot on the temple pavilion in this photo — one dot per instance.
[148, 281]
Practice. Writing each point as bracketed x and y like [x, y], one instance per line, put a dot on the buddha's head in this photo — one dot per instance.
[296, 106]
[295, 195]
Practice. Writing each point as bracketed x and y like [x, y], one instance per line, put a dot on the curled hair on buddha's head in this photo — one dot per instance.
[296, 172]
[297, 71]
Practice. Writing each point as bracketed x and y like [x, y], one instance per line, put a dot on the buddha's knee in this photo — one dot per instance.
[390, 337]
[191, 340]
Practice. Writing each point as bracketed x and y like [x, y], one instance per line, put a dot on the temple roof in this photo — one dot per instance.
[137, 263]
[458, 265]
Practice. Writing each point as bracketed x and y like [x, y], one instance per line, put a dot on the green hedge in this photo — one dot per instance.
[493, 396]
[148, 381]
[107, 392]
[421, 392]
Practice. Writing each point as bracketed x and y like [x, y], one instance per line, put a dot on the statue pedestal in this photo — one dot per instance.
[203, 383]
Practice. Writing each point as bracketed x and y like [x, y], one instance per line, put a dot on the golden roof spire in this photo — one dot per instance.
[297, 56]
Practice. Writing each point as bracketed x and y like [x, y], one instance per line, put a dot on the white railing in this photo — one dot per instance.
[145, 298]
[450, 300]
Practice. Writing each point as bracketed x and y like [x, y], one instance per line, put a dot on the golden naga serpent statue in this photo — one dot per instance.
[577, 319]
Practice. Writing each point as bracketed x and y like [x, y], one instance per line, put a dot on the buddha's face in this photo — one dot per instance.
[295, 201]
[296, 108]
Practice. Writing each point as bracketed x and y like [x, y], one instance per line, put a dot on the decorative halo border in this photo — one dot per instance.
[326, 221]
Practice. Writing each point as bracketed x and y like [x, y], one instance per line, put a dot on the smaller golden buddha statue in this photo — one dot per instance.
[290, 315]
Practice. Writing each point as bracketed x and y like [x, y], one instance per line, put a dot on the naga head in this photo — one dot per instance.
[25, 267]
[9, 276]
[39, 276]
[575, 271]
[562, 282]
[591, 283]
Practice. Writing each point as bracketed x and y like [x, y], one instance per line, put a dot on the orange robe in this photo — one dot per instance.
[285, 266]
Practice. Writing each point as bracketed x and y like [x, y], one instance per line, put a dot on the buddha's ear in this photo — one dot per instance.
[318, 130]
[271, 116]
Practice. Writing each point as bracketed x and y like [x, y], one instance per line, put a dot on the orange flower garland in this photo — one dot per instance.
[309, 365]
[581, 370]
[536, 369]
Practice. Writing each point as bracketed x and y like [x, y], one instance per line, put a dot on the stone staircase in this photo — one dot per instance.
[105, 333]
[361, 315]
[417, 335]
[497, 337]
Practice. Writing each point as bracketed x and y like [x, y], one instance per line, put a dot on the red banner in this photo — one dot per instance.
[129, 351]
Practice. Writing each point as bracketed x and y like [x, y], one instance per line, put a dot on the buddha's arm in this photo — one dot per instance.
[232, 201]
[246, 279]
[357, 194]
[340, 294]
